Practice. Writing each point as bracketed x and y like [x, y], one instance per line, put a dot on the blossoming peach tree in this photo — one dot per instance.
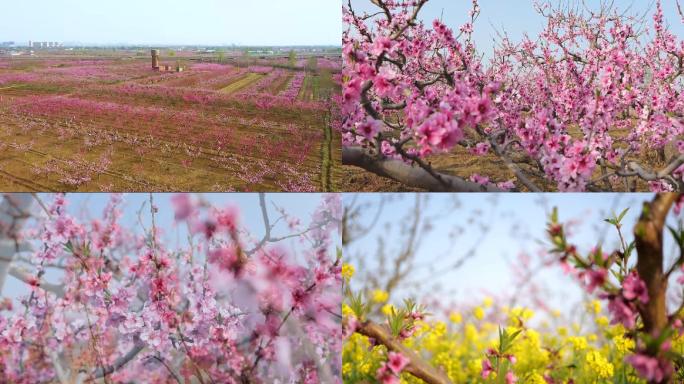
[638, 339]
[579, 107]
[634, 281]
[227, 308]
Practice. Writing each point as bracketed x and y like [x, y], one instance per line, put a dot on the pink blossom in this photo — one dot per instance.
[479, 179]
[511, 378]
[650, 368]
[382, 44]
[633, 288]
[182, 205]
[487, 368]
[595, 278]
[480, 149]
[396, 362]
[369, 128]
[622, 312]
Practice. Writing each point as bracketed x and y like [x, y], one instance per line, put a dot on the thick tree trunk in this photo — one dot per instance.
[649, 244]
[648, 234]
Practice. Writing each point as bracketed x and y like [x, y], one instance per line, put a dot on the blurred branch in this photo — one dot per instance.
[268, 227]
[14, 211]
[120, 362]
[24, 275]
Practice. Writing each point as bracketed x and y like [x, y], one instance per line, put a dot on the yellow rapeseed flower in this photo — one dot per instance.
[387, 309]
[599, 365]
[479, 313]
[455, 317]
[347, 311]
[602, 321]
[579, 343]
[595, 306]
[487, 302]
[380, 296]
[347, 271]
[536, 378]
[622, 344]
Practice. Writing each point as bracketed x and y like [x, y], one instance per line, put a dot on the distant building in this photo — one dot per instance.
[163, 68]
[44, 44]
[155, 59]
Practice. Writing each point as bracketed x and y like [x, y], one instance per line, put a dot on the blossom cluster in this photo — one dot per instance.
[228, 308]
[578, 103]
[619, 279]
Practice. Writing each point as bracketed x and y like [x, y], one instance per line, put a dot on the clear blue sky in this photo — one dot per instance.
[514, 16]
[211, 22]
[91, 205]
[518, 223]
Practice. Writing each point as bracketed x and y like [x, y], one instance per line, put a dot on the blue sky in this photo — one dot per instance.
[91, 205]
[514, 16]
[211, 22]
[518, 223]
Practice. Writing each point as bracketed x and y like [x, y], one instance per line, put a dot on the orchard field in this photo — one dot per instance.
[104, 120]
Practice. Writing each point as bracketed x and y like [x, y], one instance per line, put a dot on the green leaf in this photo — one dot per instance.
[622, 215]
[396, 321]
[357, 305]
[616, 275]
[630, 248]
[554, 215]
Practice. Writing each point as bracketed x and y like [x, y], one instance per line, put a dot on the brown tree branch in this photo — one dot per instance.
[417, 366]
[411, 176]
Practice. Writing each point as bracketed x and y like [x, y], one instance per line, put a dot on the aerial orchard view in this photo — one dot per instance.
[176, 116]
[550, 96]
[244, 192]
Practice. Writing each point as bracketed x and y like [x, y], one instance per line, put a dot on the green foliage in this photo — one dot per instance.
[292, 59]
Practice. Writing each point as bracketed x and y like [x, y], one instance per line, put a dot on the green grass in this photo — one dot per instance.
[242, 83]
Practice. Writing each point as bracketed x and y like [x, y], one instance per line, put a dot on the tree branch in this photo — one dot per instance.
[120, 362]
[411, 176]
[417, 366]
[23, 275]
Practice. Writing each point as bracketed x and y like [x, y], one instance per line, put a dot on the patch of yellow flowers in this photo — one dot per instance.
[458, 345]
